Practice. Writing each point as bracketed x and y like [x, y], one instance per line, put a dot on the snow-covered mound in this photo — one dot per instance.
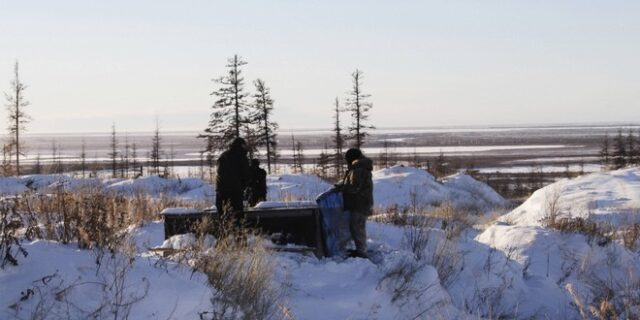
[154, 186]
[291, 187]
[57, 281]
[546, 272]
[612, 197]
[401, 186]
[188, 188]
[566, 272]
[411, 187]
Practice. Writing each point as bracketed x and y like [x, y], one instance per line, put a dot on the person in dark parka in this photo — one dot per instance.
[232, 178]
[357, 191]
[257, 190]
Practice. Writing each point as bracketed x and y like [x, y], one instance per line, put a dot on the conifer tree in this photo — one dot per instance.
[619, 151]
[113, 155]
[605, 151]
[300, 156]
[384, 155]
[83, 158]
[359, 107]
[134, 160]
[6, 160]
[324, 161]
[265, 127]
[37, 167]
[338, 142]
[229, 110]
[156, 150]
[293, 153]
[441, 166]
[125, 160]
[16, 102]
[631, 148]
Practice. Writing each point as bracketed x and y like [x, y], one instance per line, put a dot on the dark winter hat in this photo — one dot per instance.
[238, 143]
[353, 154]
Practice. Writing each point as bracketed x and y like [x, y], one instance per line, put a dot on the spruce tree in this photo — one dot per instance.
[293, 153]
[441, 166]
[338, 142]
[83, 158]
[265, 127]
[37, 167]
[229, 114]
[300, 155]
[324, 161]
[134, 160]
[384, 155]
[631, 148]
[605, 151]
[16, 102]
[156, 150]
[359, 107]
[125, 159]
[619, 151]
[113, 155]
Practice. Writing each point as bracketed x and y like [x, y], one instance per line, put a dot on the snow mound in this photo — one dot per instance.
[411, 187]
[612, 197]
[55, 276]
[468, 191]
[154, 186]
[12, 186]
[189, 188]
[293, 187]
[554, 267]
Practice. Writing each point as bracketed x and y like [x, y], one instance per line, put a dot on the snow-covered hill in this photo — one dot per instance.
[415, 188]
[401, 186]
[515, 268]
[612, 197]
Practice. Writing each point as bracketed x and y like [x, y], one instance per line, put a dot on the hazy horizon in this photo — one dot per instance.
[612, 124]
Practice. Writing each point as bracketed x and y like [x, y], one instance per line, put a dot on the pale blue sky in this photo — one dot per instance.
[426, 63]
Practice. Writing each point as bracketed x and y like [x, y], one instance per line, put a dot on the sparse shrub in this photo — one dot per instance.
[447, 260]
[454, 220]
[89, 216]
[55, 297]
[601, 233]
[630, 236]
[400, 277]
[552, 206]
[10, 222]
[239, 271]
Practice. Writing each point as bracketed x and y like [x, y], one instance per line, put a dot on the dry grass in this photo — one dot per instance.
[452, 219]
[90, 216]
[240, 271]
[10, 247]
[601, 233]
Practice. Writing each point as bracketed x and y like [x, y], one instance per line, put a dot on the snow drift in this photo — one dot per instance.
[408, 187]
[611, 197]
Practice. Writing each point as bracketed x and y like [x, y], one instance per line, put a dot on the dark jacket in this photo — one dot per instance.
[257, 185]
[357, 186]
[233, 173]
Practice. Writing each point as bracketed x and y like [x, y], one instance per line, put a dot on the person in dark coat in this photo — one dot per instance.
[232, 178]
[357, 192]
[257, 190]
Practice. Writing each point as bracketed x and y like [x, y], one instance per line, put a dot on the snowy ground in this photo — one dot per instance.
[513, 268]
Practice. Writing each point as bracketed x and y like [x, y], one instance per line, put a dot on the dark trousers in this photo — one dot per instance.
[358, 229]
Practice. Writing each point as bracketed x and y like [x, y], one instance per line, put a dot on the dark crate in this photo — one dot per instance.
[299, 226]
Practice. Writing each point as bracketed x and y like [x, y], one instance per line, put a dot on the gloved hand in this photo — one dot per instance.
[337, 187]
